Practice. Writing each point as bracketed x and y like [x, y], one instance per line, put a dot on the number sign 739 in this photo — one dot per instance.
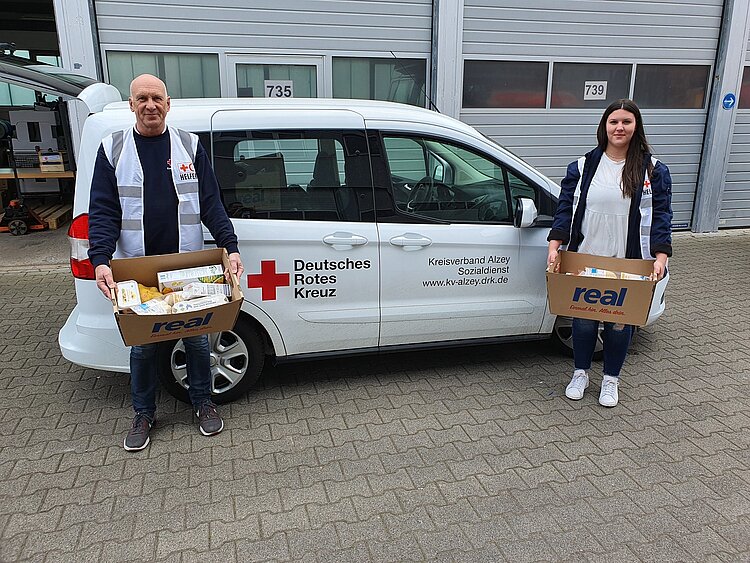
[595, 90]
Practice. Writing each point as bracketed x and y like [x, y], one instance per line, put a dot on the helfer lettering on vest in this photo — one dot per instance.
[179, 325]
[606, 297]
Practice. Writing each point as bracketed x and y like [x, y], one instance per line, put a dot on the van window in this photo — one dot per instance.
[302, 175]
[437, 179]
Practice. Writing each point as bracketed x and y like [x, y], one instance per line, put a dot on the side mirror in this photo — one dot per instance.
[525, 212]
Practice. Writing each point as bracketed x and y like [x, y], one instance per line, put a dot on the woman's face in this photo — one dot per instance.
[620, 128]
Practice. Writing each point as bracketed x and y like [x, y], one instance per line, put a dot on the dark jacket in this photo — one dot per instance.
[567, 227]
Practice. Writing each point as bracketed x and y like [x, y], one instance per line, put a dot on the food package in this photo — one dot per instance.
[200, 303]
[147, 293]
[198, 289]
[127, 294]
[174, 280]
[153, 307]
[627, 276]
[174, 297]
[598, 273]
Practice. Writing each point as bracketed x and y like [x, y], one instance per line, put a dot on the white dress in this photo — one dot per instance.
[605, 221]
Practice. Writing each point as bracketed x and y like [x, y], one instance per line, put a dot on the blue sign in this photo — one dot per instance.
[729, 101]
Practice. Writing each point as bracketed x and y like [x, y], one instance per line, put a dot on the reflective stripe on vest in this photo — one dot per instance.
[122, 154]
[646, 209]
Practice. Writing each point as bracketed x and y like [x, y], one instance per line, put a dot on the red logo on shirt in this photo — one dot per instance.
[185, 167]
[647, 183]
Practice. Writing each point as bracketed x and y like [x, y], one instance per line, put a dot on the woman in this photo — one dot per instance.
[615, 201]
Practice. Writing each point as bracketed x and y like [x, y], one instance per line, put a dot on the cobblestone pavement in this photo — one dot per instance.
[456, 455]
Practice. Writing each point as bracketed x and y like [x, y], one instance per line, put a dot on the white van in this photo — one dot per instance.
[363, 226]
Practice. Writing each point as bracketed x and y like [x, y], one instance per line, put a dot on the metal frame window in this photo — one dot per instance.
[662, 86]
[505, 84]
[374, 78]
[187, 75]
[589, 85]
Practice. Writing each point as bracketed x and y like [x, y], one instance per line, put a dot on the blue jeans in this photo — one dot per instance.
[616, 339]
[143, 376]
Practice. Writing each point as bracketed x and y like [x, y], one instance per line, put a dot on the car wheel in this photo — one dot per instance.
[562, 336]
[237, 359]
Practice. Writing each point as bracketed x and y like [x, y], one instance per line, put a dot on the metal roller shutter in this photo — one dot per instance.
[591, 31]
[285, 26]
[735, 203]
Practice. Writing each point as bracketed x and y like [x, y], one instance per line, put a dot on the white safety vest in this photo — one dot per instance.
[123, 156]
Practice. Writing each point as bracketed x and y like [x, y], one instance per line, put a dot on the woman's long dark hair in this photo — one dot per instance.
[632, 172]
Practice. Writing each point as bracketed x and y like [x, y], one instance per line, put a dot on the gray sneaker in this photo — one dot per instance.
[137, 438]
[209, 421]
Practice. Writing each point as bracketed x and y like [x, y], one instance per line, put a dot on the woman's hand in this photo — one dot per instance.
[660, 265]
[552, 250]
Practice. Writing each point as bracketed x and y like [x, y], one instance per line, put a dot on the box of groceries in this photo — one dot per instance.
[172, 296]
[617, 290]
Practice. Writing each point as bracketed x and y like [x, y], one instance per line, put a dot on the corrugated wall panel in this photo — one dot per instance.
[288, 26]
[631, 31]
[735, 203]
[623, 30]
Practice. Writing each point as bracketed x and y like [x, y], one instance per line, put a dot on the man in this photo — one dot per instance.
[140, 205]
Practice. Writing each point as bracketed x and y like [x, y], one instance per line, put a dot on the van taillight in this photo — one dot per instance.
[78, 234]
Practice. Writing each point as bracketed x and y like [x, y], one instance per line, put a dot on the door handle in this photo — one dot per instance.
[341, 240]
[411, 241]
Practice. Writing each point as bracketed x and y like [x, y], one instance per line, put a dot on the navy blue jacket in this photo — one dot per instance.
[159, 205]
[567, 228]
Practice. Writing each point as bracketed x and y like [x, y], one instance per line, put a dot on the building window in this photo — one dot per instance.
[284, 81]
[586, 85]
[186, 75]
[744, 101]
[505, 84]
[393, 80]
[671, 86]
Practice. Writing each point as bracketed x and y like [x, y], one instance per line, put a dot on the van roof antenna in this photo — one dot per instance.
[406, 71]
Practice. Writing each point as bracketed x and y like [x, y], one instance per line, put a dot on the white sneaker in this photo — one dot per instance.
[608, 396]
[577, 385]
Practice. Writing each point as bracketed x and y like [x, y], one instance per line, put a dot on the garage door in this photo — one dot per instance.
[536, 78]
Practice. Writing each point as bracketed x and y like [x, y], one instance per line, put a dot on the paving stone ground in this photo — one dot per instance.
[455, 455]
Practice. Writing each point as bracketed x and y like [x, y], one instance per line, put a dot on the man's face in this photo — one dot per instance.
[150, 103]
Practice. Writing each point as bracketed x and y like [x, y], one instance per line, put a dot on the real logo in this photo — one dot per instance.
[179, 325]
[606, 297]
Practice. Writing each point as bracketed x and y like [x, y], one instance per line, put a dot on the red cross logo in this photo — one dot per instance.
[268, 280]
[647, 183]
[185, 167]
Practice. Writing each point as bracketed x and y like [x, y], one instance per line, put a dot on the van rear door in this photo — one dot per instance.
[83, 94]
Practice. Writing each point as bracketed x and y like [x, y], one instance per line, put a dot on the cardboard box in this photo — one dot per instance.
[147, 329]
[600, 299]
[51, 162]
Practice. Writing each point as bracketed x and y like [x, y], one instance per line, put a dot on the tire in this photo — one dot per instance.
[18, 227]
[562, 336]
[237, 359]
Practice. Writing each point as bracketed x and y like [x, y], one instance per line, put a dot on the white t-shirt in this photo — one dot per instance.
[605, 221]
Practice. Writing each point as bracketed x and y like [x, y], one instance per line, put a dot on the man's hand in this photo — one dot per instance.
[235, 265]
[104, 280]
